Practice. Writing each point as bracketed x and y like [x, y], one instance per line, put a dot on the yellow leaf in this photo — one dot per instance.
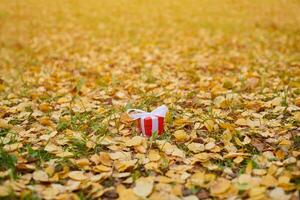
[143, 187]
[4, 124]
[180, 122]
[45, 107]
[40, 176]
[196, 147]
[280, 154]
[45, 121]
[220, 186]
[202, 157]
[65, 154]
[77, 175]
[135, 141]
[170, 149]
[238, 160]
[102, 168]
[279, 194]
[232, 155]
[104, 158]
[249, 168]
[248, 122]
[181, 136]
[4, 191]
[52, 148]
[210, 146]
[82, 162]
[50, 193]
[269, 181]
[197, 179]
[50, 170]
[256, 191]
[126, 194]
[209, 124]
[12, 147]
[120, 155]
[121, 166]
[153, 155]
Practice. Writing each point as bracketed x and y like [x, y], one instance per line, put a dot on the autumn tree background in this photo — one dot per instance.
[229, 72]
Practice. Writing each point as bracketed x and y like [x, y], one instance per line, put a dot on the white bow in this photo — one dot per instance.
[159, 111]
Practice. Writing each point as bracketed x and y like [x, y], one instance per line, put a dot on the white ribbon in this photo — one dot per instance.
[140, 114]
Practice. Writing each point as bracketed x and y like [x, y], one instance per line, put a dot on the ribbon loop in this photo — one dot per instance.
[159, 111]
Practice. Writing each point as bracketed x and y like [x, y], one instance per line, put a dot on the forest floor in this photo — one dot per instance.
[229, 72]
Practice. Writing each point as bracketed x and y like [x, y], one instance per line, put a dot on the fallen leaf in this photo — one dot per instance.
[143, 187]
[202, 157]
[45, 121]
[210, 146]
[135, 141]
[154, 155]
[126, 194]
[52, 148]
[12, 147]
[77, 175]
[279, 194]
[181, 136]
[122, 166]
[196, 147]
[257, 191]
[197, 179]
[4, 124]
[83, 162]
[269, 181]
[40, 175]
[220, 186]
[104, 158]
[45, 107]
[4, 191]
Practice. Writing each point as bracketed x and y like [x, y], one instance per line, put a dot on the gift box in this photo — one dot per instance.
[149, 122]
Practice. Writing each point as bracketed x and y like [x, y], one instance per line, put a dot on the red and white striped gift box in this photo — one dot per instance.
[148, 123]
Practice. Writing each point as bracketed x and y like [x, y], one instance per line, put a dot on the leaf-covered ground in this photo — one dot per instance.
[229, 71]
